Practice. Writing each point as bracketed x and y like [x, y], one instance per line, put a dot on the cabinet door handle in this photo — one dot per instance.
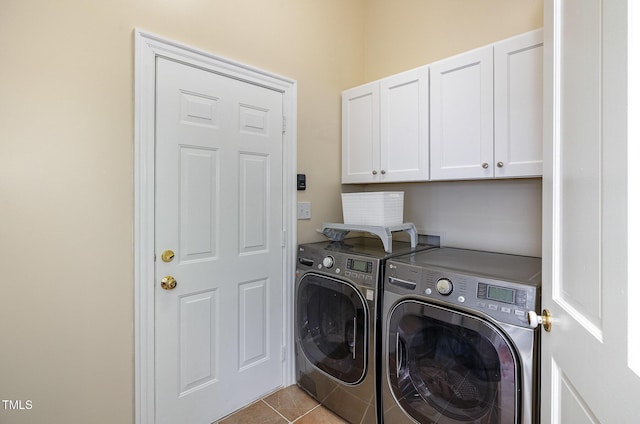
[485, 165]
[374, 172]
[383, 172]
[500, 164]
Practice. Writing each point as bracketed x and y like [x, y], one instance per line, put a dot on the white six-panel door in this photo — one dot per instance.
[219, 209]
[587, 359]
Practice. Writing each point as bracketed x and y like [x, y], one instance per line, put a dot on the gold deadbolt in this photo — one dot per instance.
[168, 283]
[168, 255]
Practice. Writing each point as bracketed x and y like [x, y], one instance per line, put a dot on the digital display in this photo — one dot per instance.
[501, 294]
[357, 265]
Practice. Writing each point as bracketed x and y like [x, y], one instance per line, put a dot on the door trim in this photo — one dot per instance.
[147, 48]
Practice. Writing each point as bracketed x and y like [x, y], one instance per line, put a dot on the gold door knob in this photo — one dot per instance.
[167, 255]
[168, 283]
[544, 320]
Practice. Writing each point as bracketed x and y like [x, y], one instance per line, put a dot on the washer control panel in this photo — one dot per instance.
[505, 301]
[358, 269]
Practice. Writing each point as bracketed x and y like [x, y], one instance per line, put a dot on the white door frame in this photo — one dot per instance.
[147, 48]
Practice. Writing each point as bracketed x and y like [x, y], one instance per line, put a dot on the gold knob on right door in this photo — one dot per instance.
[536, 320]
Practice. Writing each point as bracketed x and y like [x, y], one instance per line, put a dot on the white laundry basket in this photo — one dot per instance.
[382, 208]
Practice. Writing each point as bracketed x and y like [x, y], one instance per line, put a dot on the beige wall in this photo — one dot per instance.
[404, 34]
[66, 150]
[66, 174]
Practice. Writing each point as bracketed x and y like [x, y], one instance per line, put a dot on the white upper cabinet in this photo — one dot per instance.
[462, 116]
[471, 116]
[361, 133]
[486, 111]
[404, 126]
[518, 105]
[385, 129]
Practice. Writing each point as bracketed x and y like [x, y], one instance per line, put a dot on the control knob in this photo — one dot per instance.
[327, 261]
[444, 286]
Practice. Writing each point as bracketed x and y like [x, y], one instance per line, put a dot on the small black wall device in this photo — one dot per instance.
[302, 182]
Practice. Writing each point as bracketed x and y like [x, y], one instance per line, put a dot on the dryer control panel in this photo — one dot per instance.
[504, 301]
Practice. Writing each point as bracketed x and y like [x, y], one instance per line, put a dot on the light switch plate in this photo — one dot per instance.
[304, 210]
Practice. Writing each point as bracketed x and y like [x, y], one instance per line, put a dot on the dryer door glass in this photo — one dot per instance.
[449, 367]
[331, 318]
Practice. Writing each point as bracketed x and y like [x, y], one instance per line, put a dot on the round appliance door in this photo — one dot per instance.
[449, 367]
[331, 326]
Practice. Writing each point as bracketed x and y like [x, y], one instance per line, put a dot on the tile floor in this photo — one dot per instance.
[288, 405]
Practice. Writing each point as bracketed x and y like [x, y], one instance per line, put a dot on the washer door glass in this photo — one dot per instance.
[331, 326]
[446, 366]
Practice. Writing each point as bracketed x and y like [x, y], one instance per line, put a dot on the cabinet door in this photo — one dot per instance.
[404, 126]
[518, 106]
[361, 134]
[462, 116]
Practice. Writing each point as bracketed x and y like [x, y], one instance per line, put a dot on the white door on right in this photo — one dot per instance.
[588, 356]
